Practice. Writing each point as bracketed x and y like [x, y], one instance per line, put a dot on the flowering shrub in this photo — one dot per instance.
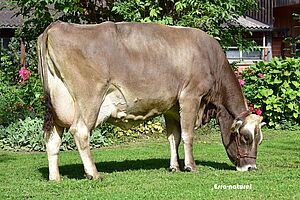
[24, 73]
[272, 89]
[242, 82]
[20, 88]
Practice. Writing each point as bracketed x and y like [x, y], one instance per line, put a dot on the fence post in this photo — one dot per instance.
[22, 59]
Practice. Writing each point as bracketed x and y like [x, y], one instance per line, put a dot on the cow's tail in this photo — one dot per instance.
[43, 70]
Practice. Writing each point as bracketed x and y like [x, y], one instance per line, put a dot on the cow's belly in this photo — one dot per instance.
[126, 109]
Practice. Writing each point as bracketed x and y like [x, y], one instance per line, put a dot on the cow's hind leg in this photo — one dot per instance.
[53, 141]
[82, 137]
[174, 137]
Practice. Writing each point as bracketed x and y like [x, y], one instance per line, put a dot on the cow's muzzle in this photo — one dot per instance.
[246, 168]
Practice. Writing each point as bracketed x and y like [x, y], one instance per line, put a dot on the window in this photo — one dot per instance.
[4, 41]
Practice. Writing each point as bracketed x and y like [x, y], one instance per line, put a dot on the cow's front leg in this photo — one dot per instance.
[188, 114]
[82, 137]
[173, 134]
[53, 141]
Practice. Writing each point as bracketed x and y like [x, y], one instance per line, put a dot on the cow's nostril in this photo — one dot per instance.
[251, 168]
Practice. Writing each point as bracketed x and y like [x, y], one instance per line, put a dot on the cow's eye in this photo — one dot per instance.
[247, 138]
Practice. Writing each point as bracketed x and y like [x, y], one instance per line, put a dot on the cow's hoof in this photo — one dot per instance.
[54, 179]
[89, 177]
[174, 169]
[190, 169]
[98, 177]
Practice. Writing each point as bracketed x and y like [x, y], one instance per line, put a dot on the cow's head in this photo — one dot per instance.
[244, 139]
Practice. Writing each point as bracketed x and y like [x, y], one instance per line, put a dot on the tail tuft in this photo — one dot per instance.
[48, 118]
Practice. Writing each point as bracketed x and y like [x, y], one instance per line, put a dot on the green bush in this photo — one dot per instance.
[273, 88]
[209, 16]
[11, 108]
[19, 98]
[19, 101]
[153, 128]
[99, 137]
[26, 135]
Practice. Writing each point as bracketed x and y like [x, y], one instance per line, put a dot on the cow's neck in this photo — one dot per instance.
[232, 102]
[232, 98]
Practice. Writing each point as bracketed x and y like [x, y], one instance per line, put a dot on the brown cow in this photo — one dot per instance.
[125, 73]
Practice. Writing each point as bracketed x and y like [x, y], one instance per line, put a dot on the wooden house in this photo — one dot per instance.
[8, 23]
[270, 25]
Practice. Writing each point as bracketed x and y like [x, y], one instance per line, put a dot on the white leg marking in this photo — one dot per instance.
[52, 147]
[174, 162]
[189, 161]
[173, 134]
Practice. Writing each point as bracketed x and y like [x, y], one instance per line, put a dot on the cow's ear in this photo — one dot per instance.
[236, 126]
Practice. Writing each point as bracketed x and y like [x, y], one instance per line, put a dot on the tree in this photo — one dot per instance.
[38, 14]
[208, 15]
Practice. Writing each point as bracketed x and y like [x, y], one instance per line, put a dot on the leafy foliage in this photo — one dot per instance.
[100, 137]
[39, 14]
[23, 135]
[204, 14]
[18, 98]
[153, 128]
[26, 135]
[209, 15]
[273, 87]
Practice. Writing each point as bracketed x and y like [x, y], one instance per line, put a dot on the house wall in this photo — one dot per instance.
[283, 19]
[284, 25]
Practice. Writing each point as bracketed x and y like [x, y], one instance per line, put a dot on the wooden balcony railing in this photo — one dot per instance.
[280, 3]
[264, 13]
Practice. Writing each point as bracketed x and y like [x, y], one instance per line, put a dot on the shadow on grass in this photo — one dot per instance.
[215, 165]
[6, 158]
[75, 171]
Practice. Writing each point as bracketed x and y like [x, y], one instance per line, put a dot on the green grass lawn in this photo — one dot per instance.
[139, 171]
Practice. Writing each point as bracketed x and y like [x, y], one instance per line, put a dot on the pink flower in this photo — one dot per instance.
[24, 73]
[242, 82]
[261, 76]
[258, 111]
[251, 108]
